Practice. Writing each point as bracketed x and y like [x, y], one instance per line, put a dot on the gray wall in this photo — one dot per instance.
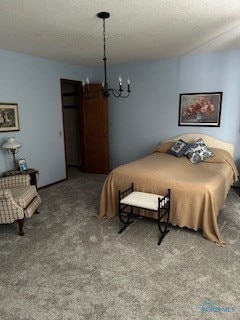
[150, 114]
[136, 124]
[34, 84]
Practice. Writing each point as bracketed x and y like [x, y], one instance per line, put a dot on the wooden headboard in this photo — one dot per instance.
[209, 141]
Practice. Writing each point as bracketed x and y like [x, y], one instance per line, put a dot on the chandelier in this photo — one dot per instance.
[105, 90]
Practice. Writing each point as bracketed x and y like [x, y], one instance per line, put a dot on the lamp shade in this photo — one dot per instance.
[11, 143]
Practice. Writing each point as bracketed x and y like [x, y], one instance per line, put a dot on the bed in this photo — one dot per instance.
[198, 190]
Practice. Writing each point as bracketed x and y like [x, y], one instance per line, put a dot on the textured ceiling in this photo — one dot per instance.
[137, 30]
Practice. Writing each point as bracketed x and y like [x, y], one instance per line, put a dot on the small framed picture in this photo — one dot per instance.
[9, 120]
[22, 164]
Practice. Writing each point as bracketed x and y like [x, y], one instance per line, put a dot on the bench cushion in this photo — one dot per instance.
[143, 200]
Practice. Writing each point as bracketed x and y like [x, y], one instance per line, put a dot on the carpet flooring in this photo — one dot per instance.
[71, 266]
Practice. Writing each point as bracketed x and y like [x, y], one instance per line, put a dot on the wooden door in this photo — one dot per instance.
[95, 132]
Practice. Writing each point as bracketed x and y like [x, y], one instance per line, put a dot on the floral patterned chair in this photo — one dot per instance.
[18, 199]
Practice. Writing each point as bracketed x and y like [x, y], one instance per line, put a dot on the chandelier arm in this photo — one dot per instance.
[115, 92]
[119, 94]
[127, 95]
[124, 96]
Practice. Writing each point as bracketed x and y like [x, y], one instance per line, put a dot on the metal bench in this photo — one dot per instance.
[130, 199]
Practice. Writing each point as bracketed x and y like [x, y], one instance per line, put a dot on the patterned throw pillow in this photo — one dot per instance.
[179, 148]
[198, 151]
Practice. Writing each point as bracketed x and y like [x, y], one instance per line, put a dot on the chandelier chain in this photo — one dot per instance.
[104, 40]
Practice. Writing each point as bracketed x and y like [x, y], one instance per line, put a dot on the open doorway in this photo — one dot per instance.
[85, 122]
[71, 106]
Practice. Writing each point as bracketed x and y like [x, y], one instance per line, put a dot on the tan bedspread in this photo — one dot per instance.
[198, 190]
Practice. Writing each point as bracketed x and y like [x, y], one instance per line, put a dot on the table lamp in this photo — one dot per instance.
[12, 146]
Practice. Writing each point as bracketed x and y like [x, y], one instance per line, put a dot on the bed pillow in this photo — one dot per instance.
[179, 148]
[163, 147]
[207, 153]
[198, 151]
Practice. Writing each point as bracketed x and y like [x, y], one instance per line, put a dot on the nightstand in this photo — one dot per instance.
[32, 172]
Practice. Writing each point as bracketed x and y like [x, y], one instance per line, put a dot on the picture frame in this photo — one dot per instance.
[22, 164]
[200, 109]
[9, 118]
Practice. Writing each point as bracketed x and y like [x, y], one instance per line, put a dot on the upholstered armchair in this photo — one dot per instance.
[18, 199]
